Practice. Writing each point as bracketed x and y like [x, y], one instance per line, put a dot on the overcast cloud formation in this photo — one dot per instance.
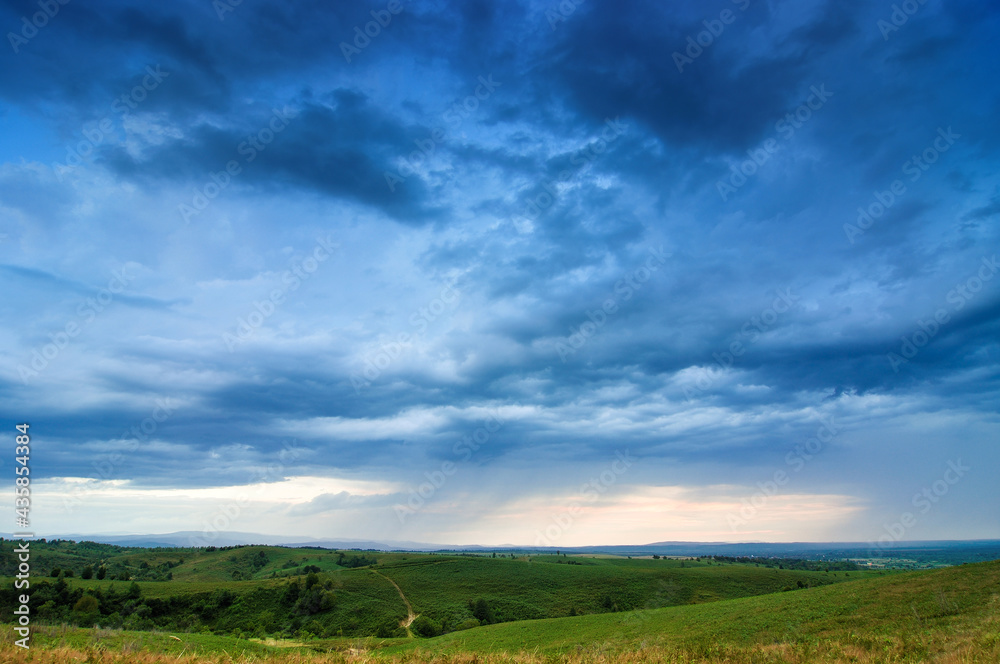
[504, 272]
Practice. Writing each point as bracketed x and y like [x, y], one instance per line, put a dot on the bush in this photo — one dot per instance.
[389, 629]
[468, 623]
[86, 604]
[425, 627]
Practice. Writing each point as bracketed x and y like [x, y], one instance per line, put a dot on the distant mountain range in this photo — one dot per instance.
[953, 551]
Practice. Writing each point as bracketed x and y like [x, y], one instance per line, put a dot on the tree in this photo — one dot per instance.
[55, 572]
[87, 573]
[102, 572]
[482, 611]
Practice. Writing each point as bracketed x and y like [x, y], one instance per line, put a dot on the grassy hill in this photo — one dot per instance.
[951, 614]
[944, 616]
[266, 591]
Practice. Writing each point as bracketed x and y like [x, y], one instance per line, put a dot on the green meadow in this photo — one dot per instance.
[259, 603]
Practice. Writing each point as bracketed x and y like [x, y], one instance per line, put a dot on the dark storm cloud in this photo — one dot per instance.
[537, 201]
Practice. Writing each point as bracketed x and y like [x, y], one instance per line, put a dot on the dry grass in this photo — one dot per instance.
[985, 649]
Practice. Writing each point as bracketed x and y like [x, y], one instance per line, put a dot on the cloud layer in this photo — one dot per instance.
[416, 272]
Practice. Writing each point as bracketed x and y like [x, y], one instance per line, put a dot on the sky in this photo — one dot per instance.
[498, 272]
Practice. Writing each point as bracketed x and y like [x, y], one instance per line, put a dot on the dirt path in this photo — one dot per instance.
[410, 615]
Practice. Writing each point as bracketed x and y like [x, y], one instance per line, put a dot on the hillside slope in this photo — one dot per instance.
[917, 616]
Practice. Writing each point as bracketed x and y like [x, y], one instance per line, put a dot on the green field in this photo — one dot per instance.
[268, 603]
[303, 593]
